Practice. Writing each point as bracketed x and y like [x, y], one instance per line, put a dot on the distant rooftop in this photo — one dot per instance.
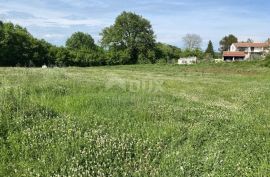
[251, 44]
[234, 54]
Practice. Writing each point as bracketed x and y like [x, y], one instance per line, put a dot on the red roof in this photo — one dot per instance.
[234, 54]
[249, 44]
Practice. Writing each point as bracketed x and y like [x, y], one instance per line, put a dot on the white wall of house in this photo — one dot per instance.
[233, 48]
[258, 50]
[248, 50]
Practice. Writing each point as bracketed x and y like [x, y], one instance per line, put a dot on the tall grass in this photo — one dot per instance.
[204, 120]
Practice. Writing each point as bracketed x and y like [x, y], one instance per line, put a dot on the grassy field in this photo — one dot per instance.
[147, 120]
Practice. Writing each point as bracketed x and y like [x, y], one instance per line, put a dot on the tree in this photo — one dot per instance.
[167, 52]
[131, 35]
[16, 46]
[63, 57]
[85, 58]
[210, 50]
[250, 40]
[41, 53]
[80, 41]
[226, 42]
[1, 30]
[193, 53]
[1, 39]
[117, 57]
[19, 48]
[192, 41]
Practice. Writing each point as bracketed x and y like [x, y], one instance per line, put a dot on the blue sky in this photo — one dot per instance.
[56, 20]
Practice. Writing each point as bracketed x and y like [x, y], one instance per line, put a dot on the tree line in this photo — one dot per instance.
[130, 40]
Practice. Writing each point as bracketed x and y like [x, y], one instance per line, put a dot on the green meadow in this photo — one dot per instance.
[138, 120]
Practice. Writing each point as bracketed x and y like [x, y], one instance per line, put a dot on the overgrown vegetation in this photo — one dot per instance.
[140, 120]
[267, 61]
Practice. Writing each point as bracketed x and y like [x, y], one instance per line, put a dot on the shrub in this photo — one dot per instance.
[161, 61]
[267, 61]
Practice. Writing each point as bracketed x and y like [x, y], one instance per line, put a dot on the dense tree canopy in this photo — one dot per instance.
[167, 53]
[1, 30]
[20, 48]
[81, 41]
[1, 39]
[226, 42]
[17, 45]
[84, 51]
[132, 36]
[193, 53]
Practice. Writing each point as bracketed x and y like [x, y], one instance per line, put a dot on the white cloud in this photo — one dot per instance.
[85, 3]
[56, 22]
[43, 17]
[53, 36]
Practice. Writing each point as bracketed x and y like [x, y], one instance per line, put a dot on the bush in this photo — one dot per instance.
[162, 61]
[115, 57]
[267, 61]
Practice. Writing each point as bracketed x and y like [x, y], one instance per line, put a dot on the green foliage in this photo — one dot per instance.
[218, 55]
[85, 58]
[42, 54]
[16, 46]
[20, 48]
[193, 53]
[210, 50]
[167, 52]
[81, 41]
[130, 40]
[226, 42]
[63, 57]
[84, 51]
[147, 58]
[117, 57]
[267, 61]
[1, 40]
[130, 34]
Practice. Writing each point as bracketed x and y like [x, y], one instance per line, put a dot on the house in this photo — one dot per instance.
[187, 61]
[246, 50]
